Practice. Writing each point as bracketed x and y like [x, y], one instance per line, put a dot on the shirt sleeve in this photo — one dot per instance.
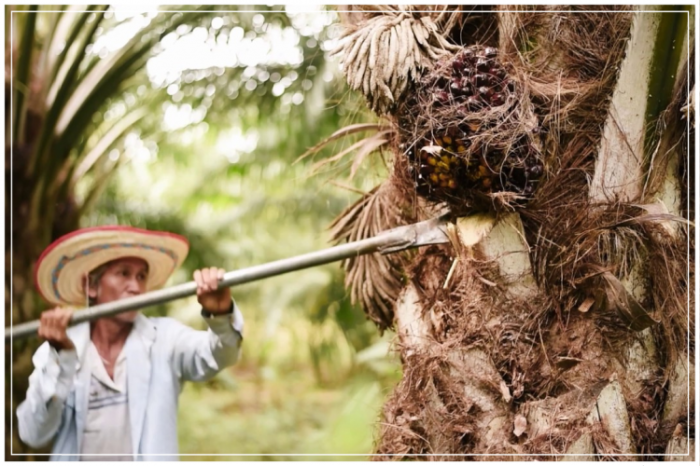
[199, 355]
[221, 324]
[39, 415]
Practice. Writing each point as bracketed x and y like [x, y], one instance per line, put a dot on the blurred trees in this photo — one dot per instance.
[62, 80]
[188, 122]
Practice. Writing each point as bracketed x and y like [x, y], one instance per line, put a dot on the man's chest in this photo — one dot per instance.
[107, 423]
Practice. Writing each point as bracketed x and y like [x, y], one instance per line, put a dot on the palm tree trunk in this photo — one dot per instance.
[562, 328]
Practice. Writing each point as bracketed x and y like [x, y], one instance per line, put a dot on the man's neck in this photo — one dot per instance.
[110, 333]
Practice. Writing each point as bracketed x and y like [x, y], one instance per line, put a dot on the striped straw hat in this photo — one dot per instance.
[62, 267]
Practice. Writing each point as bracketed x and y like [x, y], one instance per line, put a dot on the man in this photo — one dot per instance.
[108, 389]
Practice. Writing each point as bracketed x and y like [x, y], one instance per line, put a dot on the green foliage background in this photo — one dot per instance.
[314, 370]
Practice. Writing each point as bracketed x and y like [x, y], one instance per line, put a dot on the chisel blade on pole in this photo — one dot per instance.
[424, 233]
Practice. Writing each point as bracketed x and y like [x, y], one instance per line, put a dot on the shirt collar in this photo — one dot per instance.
[99, 371]
[144, 328]
[80, 335]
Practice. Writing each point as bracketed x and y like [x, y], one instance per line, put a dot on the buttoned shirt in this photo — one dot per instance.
[107, 429]
[160, 354]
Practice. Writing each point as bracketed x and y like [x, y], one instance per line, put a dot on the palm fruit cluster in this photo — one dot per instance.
[470, 104]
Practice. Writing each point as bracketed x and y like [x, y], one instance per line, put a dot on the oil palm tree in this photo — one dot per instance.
[557, 322]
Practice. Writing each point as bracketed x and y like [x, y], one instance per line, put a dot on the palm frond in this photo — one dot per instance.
[49, 53]
[21, 82]
[81, 95]
[104, 80]
[370, 145]
[374, 280]
[342, 132]
[59, 97]
[65, 69]
[383, 135]
[386, 52]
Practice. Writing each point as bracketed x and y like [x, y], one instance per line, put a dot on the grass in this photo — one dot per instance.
[272, 416]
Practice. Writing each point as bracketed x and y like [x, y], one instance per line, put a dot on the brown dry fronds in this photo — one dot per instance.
[375, 142]
[374, 280]
[428, 413]
[467, 323]
[645, 409]
[670, 292]
[384, 52]
[447, 18]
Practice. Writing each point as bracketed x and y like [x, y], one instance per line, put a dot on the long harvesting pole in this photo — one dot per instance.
[410, 236]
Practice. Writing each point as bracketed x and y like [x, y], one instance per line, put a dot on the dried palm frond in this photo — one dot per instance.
[445, 17]
[375, 280]
[386, 52]
[383, 134]
[689, 109]
[362, 149]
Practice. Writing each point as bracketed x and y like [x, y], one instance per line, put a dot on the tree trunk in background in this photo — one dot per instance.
[22, 302]
[559, 327]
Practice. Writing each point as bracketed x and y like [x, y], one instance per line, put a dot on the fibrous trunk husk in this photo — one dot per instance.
[558, 334]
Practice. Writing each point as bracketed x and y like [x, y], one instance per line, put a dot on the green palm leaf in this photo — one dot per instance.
[21, 82]
[67, 80]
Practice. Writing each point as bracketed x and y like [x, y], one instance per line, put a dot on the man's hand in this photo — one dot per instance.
[52, 328]
[212, 300]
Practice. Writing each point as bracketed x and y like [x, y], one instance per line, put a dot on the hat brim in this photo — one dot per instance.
[61, 269]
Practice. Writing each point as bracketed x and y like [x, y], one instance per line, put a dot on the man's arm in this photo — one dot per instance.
[55, 362]
[200, 355]
[39, 415]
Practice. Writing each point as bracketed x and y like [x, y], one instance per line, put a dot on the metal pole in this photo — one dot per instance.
[397, 239]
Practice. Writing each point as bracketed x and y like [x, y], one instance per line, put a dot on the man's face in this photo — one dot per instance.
[123, 278]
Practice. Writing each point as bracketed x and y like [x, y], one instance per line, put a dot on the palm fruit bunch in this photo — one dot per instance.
[467, 132]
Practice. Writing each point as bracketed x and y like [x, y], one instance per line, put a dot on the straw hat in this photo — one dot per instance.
[62, 267]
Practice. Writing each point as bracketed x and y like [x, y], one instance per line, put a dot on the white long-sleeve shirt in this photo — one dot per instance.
[160, 354]
[107, 427]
